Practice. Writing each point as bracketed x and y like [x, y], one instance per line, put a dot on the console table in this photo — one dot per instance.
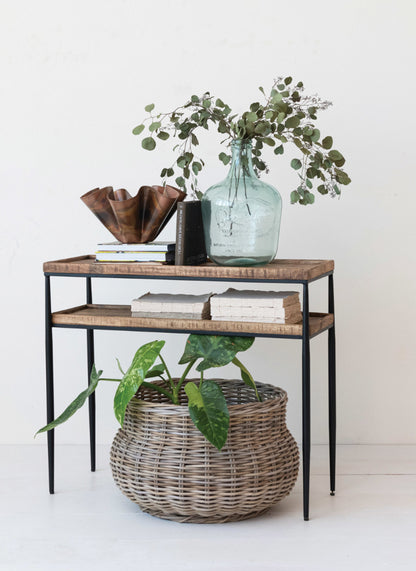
[118, 317]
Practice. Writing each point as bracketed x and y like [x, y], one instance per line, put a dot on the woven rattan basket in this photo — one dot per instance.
[163, 463]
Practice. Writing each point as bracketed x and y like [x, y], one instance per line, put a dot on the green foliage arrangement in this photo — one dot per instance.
[206, 402]
[286, 115]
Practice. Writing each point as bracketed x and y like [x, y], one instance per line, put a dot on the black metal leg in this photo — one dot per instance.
[91, 399]
[331, 387]
[50, 415]
[306, 403]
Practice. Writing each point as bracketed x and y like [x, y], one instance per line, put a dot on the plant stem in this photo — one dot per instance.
[113, 380]
[167, 394]
[182, 379]
[171, 383]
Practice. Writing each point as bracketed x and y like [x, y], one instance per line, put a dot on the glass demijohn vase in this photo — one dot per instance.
[241, 214]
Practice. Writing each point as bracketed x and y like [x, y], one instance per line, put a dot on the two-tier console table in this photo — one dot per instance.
[118, 317]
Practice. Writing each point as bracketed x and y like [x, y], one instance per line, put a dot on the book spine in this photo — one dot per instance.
[180, 234]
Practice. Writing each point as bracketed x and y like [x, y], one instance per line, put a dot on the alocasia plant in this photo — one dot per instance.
[206, 402]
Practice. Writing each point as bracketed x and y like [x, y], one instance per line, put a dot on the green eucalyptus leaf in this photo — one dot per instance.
[295, 164]
[148, 143]
[279, 150]
[206, 103]
[269, 141]
[222, 127]
[294, 196]
[322, 189]
[309, 197]
[195, 99]
[142, 361]
[194, 140]
[315, 135]
[277, 98]
[342, 177]
[154, 126]
[182, 161]
[76, 403]
[196, 167]
[327, 142]
[288, 80]
[163, 135]
[251, 116]
[149, 107]
[137, 130]
[180, 181]
[169, 172]
[214, 350]
[260, 128]
[335, 155]
[292, 122]
[208, 411]
[224, 158]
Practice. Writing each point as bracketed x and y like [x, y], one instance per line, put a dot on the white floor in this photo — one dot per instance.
[88, 524]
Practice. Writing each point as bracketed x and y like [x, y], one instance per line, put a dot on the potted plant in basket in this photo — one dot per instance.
[176, 462]
[242, 214]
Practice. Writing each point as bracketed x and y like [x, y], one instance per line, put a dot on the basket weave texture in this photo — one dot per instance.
[165, 465]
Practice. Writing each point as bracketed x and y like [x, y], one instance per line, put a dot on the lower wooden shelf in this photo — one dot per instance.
[119, 317]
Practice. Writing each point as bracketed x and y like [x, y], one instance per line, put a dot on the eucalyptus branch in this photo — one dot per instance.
[287, 116]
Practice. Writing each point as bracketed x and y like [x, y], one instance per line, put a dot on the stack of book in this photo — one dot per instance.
[168, 305]
[149, 252]
[256, 306]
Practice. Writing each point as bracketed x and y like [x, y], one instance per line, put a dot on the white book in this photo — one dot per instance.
[244, 311]
[254, 298]
[295, 319]
[250, 319]
[146, 247]
[171, 303]
[171, 315]
[130, 256]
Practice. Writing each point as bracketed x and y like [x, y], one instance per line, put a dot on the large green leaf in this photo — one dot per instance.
[77, 403]
[246, 377]
[208, 411]
[136, 374]
[214, 350]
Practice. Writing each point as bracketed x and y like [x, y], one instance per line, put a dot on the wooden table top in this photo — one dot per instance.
[291, 270]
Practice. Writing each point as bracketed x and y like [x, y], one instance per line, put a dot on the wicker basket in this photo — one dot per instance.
[163, 463]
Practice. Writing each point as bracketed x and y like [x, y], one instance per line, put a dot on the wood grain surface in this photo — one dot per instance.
[119, 316]
[304, 270]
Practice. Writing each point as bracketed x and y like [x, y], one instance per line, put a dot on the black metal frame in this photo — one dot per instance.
[306, 368]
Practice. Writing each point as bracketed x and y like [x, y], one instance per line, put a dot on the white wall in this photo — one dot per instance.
[75, 77]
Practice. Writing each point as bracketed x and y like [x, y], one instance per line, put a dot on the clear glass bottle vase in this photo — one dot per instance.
[241, 214]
